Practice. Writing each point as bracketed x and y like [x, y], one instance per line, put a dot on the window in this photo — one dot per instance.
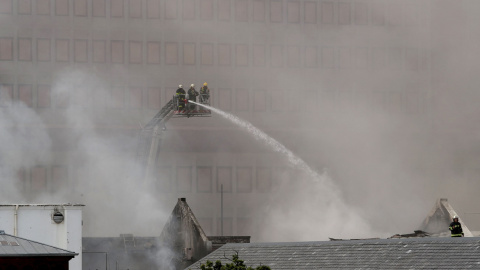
[424, 59]
[170, 9]
[25, 94]
[171, 53]
[241, 10]
[395, 101]
[43, 49]
[378, 13]
[39, 179]
[164, 179]
[361, 58]
[259, 55]
[43, 7]
[25, 7]
[412, 11]
[117, 51]
[82, 96]
[99, 51]
[44, 94]
[310, 12]
[344, 58]
[395, 58]
[99, 8]
[241, 55]
[276, 56]
[80, 48]
[328, 57]
[278, 100]
[188, 10]
[295, 102]
[258, 10]
[6, 6]
[135, 8]
[311, 57]
[223, 10]
[62, 50]
[117, 98]
[135, 97]
[264, 179]
[153, 9]
[62, 99]
[244, 226]
[413, 101]
[293, 12]
[204, 179]
[59, 177]
[6, 49]
[206, 224]
[378, 58]
[293, 56]
[206, 10]
[154, 98]
[224, 54]
[327, 12]
[6, 95]
[225, 99]
[259, 100]
[227, 226]
[80, 8]
[241, 100]
[116, 8]
[135, 52]
[344, 13]
[184, 179]
[153, 52]
[206, 53]
[412, 59]
[395, 13]
[244, 180]
[61, 7]
[361, 14]
[276, 11]
[189, 53]
[99, 98]
[224, 177]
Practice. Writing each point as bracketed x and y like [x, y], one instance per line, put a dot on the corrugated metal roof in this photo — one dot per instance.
[411, 253]
[13, 246]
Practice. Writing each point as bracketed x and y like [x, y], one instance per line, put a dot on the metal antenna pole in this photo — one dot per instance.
[221, 209]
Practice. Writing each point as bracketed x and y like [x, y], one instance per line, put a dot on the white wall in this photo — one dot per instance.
[34, 222]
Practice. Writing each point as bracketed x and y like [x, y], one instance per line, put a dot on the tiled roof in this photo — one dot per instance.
[411, 253]
[13, 246]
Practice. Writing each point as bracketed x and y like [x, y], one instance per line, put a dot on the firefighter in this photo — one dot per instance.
[180, 97]
[192, 96]
[456, 228]
[204, 93]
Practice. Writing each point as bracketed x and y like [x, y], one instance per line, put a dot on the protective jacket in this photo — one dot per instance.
[456, 229]
[192, 94]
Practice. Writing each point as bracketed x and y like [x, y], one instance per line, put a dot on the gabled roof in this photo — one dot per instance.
[439, 219]
[13, 246]
[412, 253]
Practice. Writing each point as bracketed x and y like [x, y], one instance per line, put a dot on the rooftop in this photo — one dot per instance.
[410, 253]
[13, 246]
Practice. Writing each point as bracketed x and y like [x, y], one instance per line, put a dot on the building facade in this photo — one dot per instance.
[276, 63]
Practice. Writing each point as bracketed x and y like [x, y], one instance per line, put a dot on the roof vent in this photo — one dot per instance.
[58, 217]
[2, 232]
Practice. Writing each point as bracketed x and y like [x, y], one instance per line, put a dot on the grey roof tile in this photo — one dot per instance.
[411, 253]
[16, 246]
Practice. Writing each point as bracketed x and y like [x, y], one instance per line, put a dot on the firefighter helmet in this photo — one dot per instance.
[455, 217]
[205, 84]
[192, 85]
[180, 86]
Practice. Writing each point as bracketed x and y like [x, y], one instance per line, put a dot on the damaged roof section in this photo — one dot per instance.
[439, 219]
